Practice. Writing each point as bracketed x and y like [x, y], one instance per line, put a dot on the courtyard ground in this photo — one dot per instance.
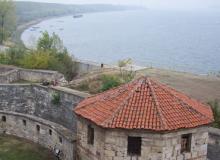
[12, 148]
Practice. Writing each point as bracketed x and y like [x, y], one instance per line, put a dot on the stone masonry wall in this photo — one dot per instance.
[86, 151]
[214, 144]
[157, 146]
[86, 67]
[13, 74]
[39, 75]
[154, 146]
[214, 136]
[9, 76]
[50, 135]
[37, 100]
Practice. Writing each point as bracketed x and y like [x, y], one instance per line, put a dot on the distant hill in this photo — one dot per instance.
[28, 11]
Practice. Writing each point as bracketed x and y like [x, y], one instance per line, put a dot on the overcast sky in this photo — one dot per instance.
[158, 4]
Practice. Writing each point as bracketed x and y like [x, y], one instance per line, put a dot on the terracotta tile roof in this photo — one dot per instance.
[144, 104]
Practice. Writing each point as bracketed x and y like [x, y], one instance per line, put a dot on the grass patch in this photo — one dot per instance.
[102, 82]
[13, 148]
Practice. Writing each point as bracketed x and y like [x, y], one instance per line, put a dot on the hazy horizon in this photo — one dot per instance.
[152, 4]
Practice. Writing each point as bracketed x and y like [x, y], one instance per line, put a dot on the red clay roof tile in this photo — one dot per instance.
[144, 104]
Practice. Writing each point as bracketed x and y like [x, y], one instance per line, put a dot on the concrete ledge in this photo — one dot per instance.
[71, 91]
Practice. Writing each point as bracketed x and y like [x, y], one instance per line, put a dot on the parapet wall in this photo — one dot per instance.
[214, 136]
[43, 132]
[13, 74]
[86, 67]
[214, 144]
[36, 100]
[39, 75]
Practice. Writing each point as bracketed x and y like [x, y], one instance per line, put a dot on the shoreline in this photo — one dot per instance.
[21, 28]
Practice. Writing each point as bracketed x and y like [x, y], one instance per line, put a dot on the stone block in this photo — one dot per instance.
[109, 153]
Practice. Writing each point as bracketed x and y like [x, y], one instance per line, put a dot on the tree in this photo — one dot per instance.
[127, 75]
[15, 54]
[216, 113]
[7, 19]
[51, 43]
[36, 60]
[45, 42]
[60, 59]
[123, 63]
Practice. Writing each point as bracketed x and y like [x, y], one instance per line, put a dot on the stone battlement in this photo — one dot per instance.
[9, 74]
[41, 131]
[37, 100]
[28, 111]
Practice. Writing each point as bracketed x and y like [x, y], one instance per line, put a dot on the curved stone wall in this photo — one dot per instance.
[38, 130]
[28, 111]
[214, 144]
[36, 100]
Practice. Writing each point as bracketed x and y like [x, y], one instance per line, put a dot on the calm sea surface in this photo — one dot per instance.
[182, 41]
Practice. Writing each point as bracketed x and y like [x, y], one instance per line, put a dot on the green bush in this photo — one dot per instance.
[110, 81]
[13, 55]
[216, 113]
[3, 58]
[56, 98]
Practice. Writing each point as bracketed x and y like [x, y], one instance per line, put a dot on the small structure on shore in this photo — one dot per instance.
[142, 120]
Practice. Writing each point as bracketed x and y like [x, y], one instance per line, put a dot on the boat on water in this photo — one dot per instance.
[78, 16]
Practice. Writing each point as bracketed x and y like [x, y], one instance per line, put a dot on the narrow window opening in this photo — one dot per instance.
[4, 118]
[186, 143]
[50, 132]
[38, 128]
[134, 146]
[61, 140]
[90, 135]
[24, 122]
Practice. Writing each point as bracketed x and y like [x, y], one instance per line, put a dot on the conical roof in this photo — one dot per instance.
[144, 104]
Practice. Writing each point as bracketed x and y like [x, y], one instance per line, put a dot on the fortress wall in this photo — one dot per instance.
[214, 136]
[36, 100]
[13, 74]
[39, 75]
[47, 134]
[86, 67]
[214, 144]
[9, 76]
